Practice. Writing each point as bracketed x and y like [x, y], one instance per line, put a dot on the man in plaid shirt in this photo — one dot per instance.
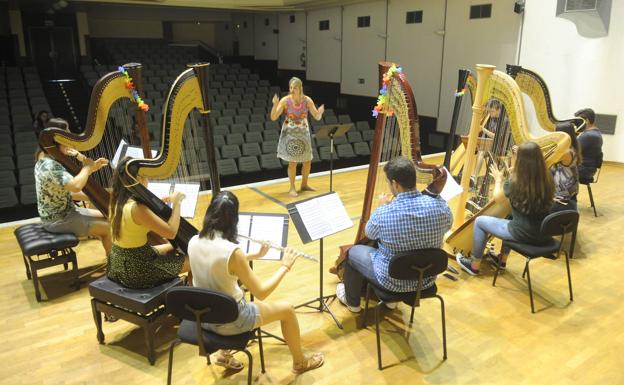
[410, 221]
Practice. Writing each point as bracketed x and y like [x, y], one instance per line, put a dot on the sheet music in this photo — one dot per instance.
[324, 216]
[451, 188]
[189, 203]
[263, 228]
[244, 221]
[124, 150]
[191, 192]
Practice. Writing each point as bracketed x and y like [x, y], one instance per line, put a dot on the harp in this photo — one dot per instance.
[188, 93]
[535, 87]
[396, 134]
[101, 135]
[500, 86]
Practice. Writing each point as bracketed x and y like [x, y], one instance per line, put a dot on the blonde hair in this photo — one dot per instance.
[296, 82]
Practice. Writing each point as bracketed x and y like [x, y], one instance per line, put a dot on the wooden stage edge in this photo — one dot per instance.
[492, 336]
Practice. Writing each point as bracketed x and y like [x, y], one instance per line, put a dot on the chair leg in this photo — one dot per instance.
[569, 275]
[261, 350]
[148, 333]
[35, 279]
[377, 314]
[97, 317]
[368, 290]
[496, 274]
[27, 267]
[525, 269]
[591, 199]
[443, 325]
[528, 274]
[412, 317]
[170, 367]
[250, 369]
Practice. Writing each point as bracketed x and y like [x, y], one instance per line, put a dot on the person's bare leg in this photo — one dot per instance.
[292, 174]
[305, 173]
[101, 229]
[285, 313]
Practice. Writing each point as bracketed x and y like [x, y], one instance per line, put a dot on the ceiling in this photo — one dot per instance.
[247, 5]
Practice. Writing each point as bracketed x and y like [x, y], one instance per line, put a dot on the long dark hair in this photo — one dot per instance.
[568, 128]
[221, 215]
[532, 188]
[118, 199]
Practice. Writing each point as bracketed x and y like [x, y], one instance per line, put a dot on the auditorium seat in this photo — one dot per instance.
[325, 153]
[344, 119]
[354, 136]
[221, 129]
[270, 162]
[238, 128]
[230, 151]
[361, 148]
[255, 127]
[227, 167]
[251, 149]
[345, 151]
[253, 137]
[271, 135]
[235, 139]
[269, 147]
[241, 119]
[7, 179]
[8, 197]
[28, 194]
[362, 126]
[248, 164]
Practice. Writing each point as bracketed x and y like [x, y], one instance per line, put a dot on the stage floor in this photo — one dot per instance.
[492, 336]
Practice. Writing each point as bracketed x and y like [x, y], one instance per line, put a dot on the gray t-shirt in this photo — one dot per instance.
[53, 201]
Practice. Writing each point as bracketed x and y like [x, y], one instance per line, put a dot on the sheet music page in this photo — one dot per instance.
[159, 189]
[118, 156]
[451, 188]
[324, 216]
[244, 221]
[267, 228]
[137, 152]
[189, 203]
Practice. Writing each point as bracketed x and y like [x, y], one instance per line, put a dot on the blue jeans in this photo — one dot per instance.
[358, 269]
[485, 226]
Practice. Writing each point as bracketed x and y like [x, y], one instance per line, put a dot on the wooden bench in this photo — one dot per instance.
[41, 249]
[142, 307]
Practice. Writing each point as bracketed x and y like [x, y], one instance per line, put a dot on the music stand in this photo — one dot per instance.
[315, 223]
[331, 131]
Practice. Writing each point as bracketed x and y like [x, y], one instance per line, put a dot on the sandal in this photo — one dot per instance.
[227, 360]
[316, 360]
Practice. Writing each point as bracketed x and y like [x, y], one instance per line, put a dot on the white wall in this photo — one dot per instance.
[468, 42]
[204, 32]
[324, 47]
[292, 41]
[418, 48]
[244, 33]
[580, 72]
[362, 48]
[265, 39]
[145, 29]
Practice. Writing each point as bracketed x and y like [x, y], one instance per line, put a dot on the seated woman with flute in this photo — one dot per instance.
[217, 263]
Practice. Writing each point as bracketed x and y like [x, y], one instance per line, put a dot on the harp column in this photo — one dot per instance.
[201, 73]
[484, 72]
[135, 72]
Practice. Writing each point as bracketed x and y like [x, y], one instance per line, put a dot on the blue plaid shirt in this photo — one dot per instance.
[411, 221]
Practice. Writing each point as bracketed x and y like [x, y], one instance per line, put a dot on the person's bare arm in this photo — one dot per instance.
[278, 107]
[142, 215]
[238, 265]
[316, 113]
[498, 195]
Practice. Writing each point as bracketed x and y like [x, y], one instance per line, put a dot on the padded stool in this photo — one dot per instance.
[142, 307]
[41, 249]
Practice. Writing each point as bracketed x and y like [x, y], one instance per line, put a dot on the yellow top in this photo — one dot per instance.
[131, 233]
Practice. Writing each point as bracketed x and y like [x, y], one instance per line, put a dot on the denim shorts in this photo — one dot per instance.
[248, 319]
[77, 222]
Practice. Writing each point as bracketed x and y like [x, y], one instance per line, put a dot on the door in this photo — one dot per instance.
[54, 51]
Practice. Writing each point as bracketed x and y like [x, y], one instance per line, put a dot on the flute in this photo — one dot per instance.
[281, 248]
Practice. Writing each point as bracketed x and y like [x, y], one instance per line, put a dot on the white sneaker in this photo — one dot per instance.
[342, 297]
[391, 305]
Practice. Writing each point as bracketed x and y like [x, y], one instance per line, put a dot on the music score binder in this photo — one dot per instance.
[319, 216]
[263, 227]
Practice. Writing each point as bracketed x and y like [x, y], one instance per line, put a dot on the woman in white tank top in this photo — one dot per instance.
[218, 263]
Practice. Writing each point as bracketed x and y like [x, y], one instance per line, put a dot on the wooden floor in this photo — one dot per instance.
[492, 336]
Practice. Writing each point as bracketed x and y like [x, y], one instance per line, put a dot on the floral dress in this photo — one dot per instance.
[295, 144]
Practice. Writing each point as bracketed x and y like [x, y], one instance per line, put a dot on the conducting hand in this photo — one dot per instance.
[321, 109]
[275, 99]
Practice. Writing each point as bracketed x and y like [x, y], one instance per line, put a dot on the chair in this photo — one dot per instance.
[412, 265]
[588, 182]
[560, 224]
[194, 305]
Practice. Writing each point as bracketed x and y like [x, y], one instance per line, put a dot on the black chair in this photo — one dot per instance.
[561, 224]
[594, 179]
[412, 265]
[195, 305]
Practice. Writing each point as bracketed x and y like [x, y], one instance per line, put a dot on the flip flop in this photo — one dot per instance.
[228, 361]
[316, 360]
